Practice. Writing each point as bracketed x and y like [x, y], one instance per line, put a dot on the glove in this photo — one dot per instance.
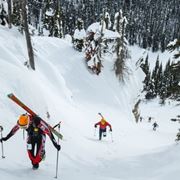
[110, 130]
[3, 139]
[58, 147]
[95, 126]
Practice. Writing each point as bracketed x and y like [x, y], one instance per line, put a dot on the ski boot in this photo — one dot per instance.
[35, 166]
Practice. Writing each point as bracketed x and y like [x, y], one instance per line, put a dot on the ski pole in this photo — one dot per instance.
[23, 134]
[111, 136]
[57, 159]
[94, 131]
[56, 125]
[1, 129]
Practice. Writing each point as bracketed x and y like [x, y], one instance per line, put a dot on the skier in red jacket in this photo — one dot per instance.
[102, 126]
[36, 137]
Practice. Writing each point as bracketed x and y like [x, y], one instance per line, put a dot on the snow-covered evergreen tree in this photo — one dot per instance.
[79, 35]
[121, 49]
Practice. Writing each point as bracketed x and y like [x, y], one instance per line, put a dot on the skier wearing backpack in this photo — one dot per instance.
[102, 126]
[36, 137]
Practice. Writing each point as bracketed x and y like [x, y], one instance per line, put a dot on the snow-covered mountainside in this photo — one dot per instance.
[62, 86]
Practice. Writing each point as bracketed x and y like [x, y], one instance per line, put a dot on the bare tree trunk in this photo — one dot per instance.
[9, 13]
[27, 34]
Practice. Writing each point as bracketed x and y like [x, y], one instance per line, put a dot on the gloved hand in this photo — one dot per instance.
[95, 126]
[58, 147]
[3, 139]
[1, 128]
[110, 130]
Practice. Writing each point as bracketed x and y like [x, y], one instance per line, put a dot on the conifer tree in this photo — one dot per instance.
[147, 81]
[79, 35]
[145, 67]
[150, 90]
[155, 76]
[53, 21]
[16, 15]
[121, 46]
[95, 47]
[166, 81]
[175, 80]
[107, 20]
[175, 46]
[159, 80]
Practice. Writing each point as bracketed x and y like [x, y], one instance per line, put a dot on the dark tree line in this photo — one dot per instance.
[151, 24]
[162, 82]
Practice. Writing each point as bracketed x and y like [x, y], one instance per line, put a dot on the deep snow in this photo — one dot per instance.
[62, 86]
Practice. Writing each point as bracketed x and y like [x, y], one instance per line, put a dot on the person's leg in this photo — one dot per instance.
[42, 149]
[100, 134]
[104, 132]
[40, 153]
[31, 148]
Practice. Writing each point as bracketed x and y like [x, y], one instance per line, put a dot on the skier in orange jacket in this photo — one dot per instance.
[36, 137]
[102, 126]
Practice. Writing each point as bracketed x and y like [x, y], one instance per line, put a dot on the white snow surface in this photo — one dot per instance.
[62, 85]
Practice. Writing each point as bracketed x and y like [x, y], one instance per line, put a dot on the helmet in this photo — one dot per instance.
[103, 121]
[23, 121]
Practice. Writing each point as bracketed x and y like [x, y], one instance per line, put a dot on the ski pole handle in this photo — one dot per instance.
[58, 124]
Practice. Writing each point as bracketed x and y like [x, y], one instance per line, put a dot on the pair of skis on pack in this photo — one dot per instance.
[27, 109]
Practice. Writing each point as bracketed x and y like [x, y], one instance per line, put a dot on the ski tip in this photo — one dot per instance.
[10, 95]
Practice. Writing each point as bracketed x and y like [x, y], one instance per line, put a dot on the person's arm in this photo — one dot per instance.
[56, 145]
[98, 123]
[11, 133]
[47, 131]
[110, 127]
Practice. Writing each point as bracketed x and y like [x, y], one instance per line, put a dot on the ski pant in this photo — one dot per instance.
[102, 132]
[36, 148]
[154, 128]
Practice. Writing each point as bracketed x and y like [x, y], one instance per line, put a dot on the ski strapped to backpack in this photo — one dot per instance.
[27, 109]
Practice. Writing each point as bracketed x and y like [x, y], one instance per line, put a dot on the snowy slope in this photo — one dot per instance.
[62, 86]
